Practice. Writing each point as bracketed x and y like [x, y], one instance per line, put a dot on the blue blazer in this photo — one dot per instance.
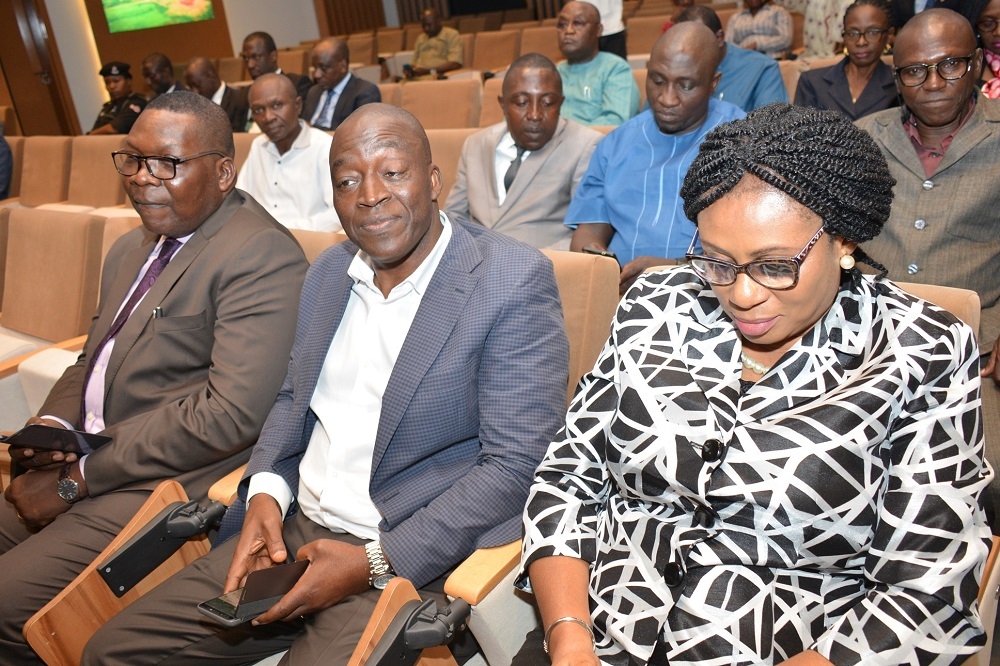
[476, 396]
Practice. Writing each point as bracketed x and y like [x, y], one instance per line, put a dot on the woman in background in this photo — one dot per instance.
[860, 83]
[775, 458]
[989, 36]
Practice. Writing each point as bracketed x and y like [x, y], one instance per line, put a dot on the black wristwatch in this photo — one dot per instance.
[379, 570]
[67, 488]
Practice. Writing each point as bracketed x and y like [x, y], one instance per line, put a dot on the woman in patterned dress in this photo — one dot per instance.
[775, 458]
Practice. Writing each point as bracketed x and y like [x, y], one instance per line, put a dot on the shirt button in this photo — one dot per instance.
[90, 416]
[928, 184]
[712, 450]
[919, 224]
[704, 517]
[912, 269]
[673, 575]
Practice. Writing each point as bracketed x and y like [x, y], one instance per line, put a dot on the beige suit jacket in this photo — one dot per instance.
[536, 205]
[945, 229]
[187, 393]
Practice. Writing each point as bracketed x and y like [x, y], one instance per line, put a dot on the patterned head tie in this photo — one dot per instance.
[819, 158]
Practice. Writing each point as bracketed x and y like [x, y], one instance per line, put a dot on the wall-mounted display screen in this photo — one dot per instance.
[125, 15]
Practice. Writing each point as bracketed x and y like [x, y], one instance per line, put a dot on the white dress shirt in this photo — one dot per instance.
[336, 469]
[505, 154]
[296, 188]
[335, 92]
[217, 95]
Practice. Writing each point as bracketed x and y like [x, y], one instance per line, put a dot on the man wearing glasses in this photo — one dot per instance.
[182, 362]
[943, 151]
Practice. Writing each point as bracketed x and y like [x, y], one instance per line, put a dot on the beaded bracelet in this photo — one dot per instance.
[568, 618]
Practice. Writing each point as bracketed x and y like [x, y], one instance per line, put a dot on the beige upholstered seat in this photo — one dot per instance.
[444, 104]
[446, 150]
[231, 69]
[93, 180]
[295, 61]
[16, 144]
[389, 40]
[491, 112]
[542, 39]
[44, 174]
[495, 50]
[362, 46]
[643, 31]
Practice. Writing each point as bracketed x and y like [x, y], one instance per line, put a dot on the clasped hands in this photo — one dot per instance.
[336, 570]
[33, 494]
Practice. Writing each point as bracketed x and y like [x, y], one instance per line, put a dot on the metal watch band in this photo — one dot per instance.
[378, 565]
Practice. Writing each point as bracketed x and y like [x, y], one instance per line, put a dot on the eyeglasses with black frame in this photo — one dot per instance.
[162, 167]
[778, 273]
[949, 69]
[871, 34]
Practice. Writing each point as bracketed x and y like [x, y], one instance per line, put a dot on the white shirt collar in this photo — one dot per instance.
[362, 271]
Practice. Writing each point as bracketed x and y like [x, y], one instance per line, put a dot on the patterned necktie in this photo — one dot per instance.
[167, 250]
[515, 164]
[322, 121]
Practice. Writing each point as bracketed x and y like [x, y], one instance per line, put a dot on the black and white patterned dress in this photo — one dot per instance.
[833, 506]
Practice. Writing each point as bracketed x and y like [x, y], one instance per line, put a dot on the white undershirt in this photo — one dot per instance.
[334, 473]
[505, 153]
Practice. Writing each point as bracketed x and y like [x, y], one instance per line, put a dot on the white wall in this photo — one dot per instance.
[288, 21]
[391, 13]
[75, 41]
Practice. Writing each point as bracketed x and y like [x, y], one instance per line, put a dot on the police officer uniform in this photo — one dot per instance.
[120, 113]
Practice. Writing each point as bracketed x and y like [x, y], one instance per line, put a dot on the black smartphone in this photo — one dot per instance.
[263, 589]
[601, 253]
[47, 438]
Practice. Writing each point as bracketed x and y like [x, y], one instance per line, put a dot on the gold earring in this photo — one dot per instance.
[847, 262]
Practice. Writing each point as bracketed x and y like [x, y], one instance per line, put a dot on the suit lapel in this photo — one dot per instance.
[968, 137]
[440, 309]
[531, 166]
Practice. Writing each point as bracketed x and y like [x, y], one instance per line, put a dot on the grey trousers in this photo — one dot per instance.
[165, 627]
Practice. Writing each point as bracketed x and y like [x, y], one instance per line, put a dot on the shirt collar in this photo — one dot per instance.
[362, 271]
[339, 88]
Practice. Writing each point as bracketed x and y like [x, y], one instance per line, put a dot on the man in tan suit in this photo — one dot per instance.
[551, 153]
[943, 154]
[182, 387]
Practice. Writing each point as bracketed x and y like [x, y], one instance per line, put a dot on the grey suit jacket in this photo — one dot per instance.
[945, 227]
[357, 92]
[535, 207]
[477, 393]
[187, 393]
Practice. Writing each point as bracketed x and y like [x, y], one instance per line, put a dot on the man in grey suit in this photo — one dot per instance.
[427, 378]
[943, 154]
[518, 176]
[180, 379]
[335, 92]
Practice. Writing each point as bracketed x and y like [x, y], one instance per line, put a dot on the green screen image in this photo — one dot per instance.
[125, 15]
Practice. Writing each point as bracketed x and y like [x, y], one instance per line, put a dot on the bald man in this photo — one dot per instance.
[335, 92]
[391, 448]
[943, 154]
[202, 78]
[599, 87]
[628, 203]
[288, 167]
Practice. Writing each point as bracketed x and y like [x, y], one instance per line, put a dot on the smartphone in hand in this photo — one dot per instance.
[263, 589]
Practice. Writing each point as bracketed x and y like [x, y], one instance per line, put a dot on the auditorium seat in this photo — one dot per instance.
[640, 80]
[542, 39]
[491, 112]
[495, 50]
[790, 72]
[242, 141]
[232, 70]
[444, 104]
[362, 48]
[93, 179]
[44, 171]
[446, 150]
[468, 25]
[16, 144]
[389, 40]
[412, 31]
[313, 243]
[643, 31]
[519, 25]
[392, 93]
[295, 61]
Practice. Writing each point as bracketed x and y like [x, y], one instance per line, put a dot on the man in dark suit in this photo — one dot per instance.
[427, 378]
[904, 10]
[260, 54]
[202, 78]
[159, 74]
[180, 380]
[336, 92]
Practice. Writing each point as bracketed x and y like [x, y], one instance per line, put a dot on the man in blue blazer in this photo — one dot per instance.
[426, 380]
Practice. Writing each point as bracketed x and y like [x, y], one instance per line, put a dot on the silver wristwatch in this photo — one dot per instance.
[379, 570]
[67, 488]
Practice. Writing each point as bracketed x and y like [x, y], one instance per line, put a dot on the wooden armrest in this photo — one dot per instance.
[9, 367]
[224, 490]
[476, 577]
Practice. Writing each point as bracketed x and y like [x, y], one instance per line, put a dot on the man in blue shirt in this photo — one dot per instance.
[629, 200]
[750, 79]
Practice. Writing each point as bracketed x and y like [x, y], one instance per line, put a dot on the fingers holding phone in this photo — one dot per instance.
[260, 544]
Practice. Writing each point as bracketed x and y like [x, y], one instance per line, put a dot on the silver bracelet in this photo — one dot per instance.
[568, 618]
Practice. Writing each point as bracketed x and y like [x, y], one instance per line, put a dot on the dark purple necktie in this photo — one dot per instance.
[167, 250]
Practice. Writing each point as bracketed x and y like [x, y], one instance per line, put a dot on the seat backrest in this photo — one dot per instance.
[542, 39]
[495, 50]
[45, 170]
[16, 144]
[963, 303]
[242, 141]
[725, 14]
[468, 48]
[293, 61]
[640, 80]
[362, 47]
[491, 112]
[790, 72]
[93, 180]
[798, 30]
[471, 24]
[232, 70]
[446, 150]
[392, 93]
[46, 303]
[412, 31]
[444, 104]
[588, 289]
[314, 242]
[518, 25]
[390, 40]
[643, 31]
